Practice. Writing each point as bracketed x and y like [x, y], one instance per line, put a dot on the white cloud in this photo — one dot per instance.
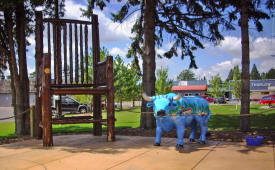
[260, 47]
[159, 51]
[221, 68]
[117, 51]
[109, 31]
[267, 64]
[231, 45]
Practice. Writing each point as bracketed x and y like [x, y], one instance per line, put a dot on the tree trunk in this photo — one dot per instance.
[19, 128]
[133, 103]
[23, 72]
[147, 120]
[245, 101]
[120, 101]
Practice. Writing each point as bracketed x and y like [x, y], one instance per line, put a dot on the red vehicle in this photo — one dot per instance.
[207, 98]
[268, 100]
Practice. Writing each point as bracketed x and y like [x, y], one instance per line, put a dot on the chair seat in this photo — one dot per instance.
[76, 121]
[75, 91]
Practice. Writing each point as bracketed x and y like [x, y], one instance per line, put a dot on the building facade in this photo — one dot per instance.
[190, 88]
[6, 96]
[259, 88]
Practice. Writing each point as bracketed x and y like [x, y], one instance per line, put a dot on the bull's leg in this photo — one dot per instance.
[204, 129]
[158, 135]
[192, 136]
[180, 135]
[202, 121]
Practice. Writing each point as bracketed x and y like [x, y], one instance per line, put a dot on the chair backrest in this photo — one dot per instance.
[69, 43]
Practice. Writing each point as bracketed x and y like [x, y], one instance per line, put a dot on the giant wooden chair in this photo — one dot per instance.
[63, 70]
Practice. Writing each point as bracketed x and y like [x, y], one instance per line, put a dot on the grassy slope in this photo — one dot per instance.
[221, 119]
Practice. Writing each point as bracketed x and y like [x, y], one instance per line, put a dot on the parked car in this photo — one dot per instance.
[208, 98]
[268, 100]
[71, 105]
[220, 100]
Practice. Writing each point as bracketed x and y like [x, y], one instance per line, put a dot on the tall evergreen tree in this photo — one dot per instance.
[186, 74]
[230, 76]
[15, 27]
[244, 11]
[270, 74]
[188, 22]
[255, 75]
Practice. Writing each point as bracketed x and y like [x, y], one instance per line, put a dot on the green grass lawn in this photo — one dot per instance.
[221, 119]
[7, 130]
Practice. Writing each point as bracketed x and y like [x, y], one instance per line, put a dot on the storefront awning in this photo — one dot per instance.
[189, 88]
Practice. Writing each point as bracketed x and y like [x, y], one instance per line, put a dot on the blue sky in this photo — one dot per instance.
[210, 61]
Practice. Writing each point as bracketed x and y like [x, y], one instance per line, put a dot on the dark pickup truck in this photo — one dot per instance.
[71, 105]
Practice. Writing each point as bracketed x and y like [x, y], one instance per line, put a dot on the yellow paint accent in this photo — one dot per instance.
[47, 71]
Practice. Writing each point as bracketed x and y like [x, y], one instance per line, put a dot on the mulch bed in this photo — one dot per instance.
[216, 135]
[14, 139]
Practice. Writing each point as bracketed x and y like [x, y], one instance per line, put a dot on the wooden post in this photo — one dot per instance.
[32, 111]
[110, 101]
[46, 101]
[96, 58]
[38, 63]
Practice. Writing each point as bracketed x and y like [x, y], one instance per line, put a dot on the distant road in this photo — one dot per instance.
[6, 112]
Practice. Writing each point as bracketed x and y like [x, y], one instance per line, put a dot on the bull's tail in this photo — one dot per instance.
[209, 114]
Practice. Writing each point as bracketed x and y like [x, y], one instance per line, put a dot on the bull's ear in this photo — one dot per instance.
[150, 104]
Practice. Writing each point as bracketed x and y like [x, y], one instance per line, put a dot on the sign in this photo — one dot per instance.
[261, 84]
[183, 83]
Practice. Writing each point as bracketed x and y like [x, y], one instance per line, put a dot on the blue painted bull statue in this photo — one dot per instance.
[174, 111]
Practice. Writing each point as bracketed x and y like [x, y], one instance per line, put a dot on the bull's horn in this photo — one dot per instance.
[146, 98]
[176, 98]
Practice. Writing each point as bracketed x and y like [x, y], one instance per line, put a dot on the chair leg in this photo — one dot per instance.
[110, 117]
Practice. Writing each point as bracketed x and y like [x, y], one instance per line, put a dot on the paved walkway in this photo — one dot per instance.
[85, 151]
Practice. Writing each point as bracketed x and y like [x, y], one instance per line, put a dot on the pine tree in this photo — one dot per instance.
[186, 74]
[230, 76]
[188, 22]
[255, 75]
[15, 27]
[244, 11]
[270, 74]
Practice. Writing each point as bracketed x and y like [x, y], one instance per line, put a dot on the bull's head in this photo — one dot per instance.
[162, 104]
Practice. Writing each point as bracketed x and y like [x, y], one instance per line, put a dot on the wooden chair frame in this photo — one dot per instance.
[77, 81]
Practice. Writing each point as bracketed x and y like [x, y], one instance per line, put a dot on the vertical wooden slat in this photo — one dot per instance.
[65, 51]
[32, 111]
[110, 100]
[54, 52]
[46, 101]
[81, 55]
[71, 55]
[76, 54]
[49, 38]
[59, 61]
[38, 63]
[97, 98]
[86, 53]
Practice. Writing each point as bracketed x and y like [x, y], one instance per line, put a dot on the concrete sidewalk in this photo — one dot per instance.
[129, 152]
